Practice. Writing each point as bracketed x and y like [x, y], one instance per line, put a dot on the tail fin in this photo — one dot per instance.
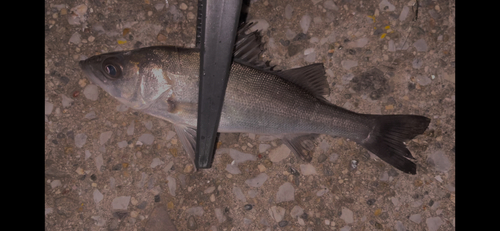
[387, 137]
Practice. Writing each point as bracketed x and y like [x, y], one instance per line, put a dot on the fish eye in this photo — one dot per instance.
[112, 68]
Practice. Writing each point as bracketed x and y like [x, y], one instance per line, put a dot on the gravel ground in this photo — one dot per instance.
[108, 167]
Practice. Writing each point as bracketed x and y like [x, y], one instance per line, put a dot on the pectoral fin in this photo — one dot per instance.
[302, 145]
[187, 136]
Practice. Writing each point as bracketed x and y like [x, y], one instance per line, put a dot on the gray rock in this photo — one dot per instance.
[399, 226]
[120, 203]
[416, 218]
[141, 182]
[433, 223]
[233, 169]
[147, 138]
[219, 215]
[148, 124]
[347, 215]
[195, 211]
[91, 92]
[333, 157]
[361, 42]
[48, 108]
[439, 160]
[159, 6]
[98, 162]
[279, 153]
[348, 64]
[80, 140]
[404, 13]
[209, 190]
[286, 192]
[260, 25]
[310, 58]
[170, 135]
[66, 101]
[252, 193]
[385, 5]
[322, 192]
[239, 194]
[289, 34]
[171, 185]
[240, 157]
[330, 5]
[122, 144]
[435, 15]
[277, 213]
[130, 128]
[176, 14]
[345, 228]
[384, 176]
[317, 20]
[122, 108]
[156, 162]
[331, 37]
[296, 212]
[48, 211]
[112, 183]
[55, 183]
[346, 79]
[87, 154]
[305, 22]
[91, 115]
[104, 137]
[263, 147]
[97, 196]
[417, 63]
[191, 223]
[307, 169]
[257, 181]
[288, 11]
[390, 46]
[423, 80]
[247, 221]
[75, 38]
[99, 221]
[420, 45]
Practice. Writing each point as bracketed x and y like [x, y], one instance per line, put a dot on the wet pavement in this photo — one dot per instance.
[108, 167]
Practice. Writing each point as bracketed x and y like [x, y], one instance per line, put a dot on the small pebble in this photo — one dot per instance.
[75, 38]
[91, 92]
[370, 201]
[97, 196]
[288, 11]
[183, 6]
[146, 139]
[257, 181]
[305, 22]
[283, 223]
[80, 140]
[120, 203]
[286, 192]
[191, 222]
[247, 207]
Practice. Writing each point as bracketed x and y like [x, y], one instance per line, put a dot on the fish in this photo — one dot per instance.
[162, 81]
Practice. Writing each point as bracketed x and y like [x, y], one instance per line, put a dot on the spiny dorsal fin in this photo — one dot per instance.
[249, 47]
[311, 77]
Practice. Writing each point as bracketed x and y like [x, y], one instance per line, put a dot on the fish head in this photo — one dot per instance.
[132, 77]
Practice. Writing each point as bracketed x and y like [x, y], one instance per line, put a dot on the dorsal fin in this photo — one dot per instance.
[311, 77]
[248, 48]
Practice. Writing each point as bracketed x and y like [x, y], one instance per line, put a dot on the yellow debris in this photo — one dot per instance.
[122, 41]
[378, 212]
[387, 27]
[383, 35]
[372, 17]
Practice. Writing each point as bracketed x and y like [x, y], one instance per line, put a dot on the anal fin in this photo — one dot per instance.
[302, 145]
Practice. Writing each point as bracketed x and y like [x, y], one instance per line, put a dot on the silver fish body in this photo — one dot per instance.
[163, 81]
